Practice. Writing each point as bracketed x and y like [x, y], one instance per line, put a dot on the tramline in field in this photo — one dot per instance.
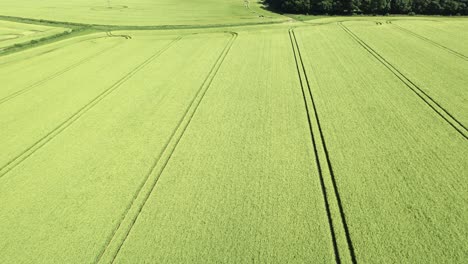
[329, 140]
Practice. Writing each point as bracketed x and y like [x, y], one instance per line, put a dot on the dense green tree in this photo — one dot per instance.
[400, 6]
[432, 7]
[322, 7]
[365, 6]
[380, 6]
[420, 6]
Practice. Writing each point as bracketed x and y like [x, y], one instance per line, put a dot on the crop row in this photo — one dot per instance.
[310, 145]
[398, 165]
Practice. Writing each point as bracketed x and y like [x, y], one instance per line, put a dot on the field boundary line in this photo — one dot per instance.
[56, 74]
[120, 234]
[70, 120]
[456, 53]
[104, 27]
[315, 121]
[436, 107]
[52, 48]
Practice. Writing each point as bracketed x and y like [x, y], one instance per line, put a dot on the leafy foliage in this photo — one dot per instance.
[428, 7]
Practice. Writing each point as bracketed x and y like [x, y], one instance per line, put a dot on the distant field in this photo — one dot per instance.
[12, 33]
[336, 140]
[142, 12]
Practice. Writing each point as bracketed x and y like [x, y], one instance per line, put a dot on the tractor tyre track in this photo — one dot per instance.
[456, 53]
[428, 100]
[317, 162]
[56, 74]
[37, 55]
[120, 234]
[74, 117]
[316, 121]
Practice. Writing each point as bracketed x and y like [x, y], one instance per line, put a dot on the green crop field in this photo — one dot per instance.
[142, 12]
[219, 132]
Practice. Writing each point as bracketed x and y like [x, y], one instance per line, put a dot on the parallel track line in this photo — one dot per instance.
[456, 53]
[70, 120]
[317, 162]
[327, 155]
[56, 74]
[147, 187]
[428, 100]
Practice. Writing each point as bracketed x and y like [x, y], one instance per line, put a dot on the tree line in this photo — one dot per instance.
[378, 7]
